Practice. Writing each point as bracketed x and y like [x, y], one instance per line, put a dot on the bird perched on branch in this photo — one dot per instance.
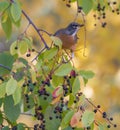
[68, 35]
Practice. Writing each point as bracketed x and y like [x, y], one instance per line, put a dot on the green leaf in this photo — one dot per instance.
[102, 127]
[33, 75]
[88, 118]
[24, 61]
[3, 5]
[6, 24]
[12, 111]
[1, 118]
[68, 128]
[2, 90]
[4, 17]
[86, 74]
[66, 119]
[56, 80]
[73, 0]
[76, 85]
[16, 23]
[6, 128]
[20, 126]
[64, 69]
[85, 80]
[7, 61]
[22, 47]
[57, 41]
[11, 86]
[17, 96]
[86, 5]
[82, 99]
[13, 47]
[29, 41]
[16, 11]
[51, 124]
[92, 126]
[79, 128]
[45, 103]
[71, 100]
[18, 65]
[1, 101]
[49, 54]
[31, 102]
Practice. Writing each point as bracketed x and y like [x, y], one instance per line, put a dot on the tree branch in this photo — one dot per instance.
[38, 54]
[34, 26]
[36, 29]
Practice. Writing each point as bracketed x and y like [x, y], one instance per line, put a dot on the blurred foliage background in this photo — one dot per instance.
[102, 52]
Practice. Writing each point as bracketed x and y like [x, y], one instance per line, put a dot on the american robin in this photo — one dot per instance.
[68, 35]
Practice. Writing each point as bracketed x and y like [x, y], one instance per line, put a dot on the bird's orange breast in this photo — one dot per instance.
[67, 41]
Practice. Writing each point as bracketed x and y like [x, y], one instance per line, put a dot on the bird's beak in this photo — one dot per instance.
[81, 25]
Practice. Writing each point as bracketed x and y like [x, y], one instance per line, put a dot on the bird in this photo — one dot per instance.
[68, 35]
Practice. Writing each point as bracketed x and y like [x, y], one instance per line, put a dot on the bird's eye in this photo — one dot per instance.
[74, 26]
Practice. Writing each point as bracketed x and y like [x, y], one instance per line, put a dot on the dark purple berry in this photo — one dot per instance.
[95, 111]
[98, 106]
[24, 85]
[114, 2]
[16, 48]
[104, 115]
[28, 55]
[111, 118]
[28, 106]
[33, 50]
[108, 126]
[50, 118]
[68, 5]
[88, 128]
[1, 79]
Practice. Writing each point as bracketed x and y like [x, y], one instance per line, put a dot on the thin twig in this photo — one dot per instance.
[83, 16]
[82, 13]
[34, 26]
[24, 32]
[27, 114]
[5, 67]
[36, 29]
[38, 54]
[98, 110]
[26, 28]
[45, 32]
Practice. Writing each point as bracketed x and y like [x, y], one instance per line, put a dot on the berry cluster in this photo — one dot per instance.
[30, 86]
[29, 52]
[101, 8]
[62, 103]
[35, 93]
[104, 115]
[100, 15]
[39, 115]
[114, 6]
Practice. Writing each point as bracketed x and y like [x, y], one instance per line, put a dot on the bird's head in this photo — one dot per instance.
[73, 27]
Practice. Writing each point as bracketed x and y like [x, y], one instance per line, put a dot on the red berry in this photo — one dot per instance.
[73, 73]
